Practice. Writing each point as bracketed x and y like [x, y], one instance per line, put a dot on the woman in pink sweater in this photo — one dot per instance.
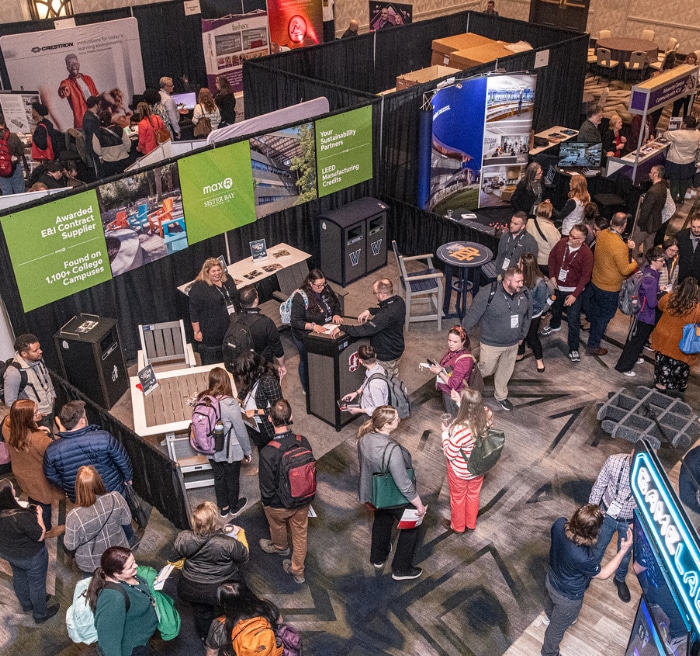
[458, 440]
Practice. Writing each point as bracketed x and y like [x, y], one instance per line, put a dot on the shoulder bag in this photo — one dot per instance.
[690, 341]
[203, 127]
[487, 450]
[135, 506]
[476, 381]
[385, 494]
[161, 134]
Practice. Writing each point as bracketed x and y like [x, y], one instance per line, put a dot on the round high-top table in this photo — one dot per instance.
[622, 47]
[467, 258]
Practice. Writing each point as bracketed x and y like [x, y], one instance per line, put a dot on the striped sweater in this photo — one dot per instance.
[460, 437]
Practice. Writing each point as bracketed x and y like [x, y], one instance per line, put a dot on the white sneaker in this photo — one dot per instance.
[630, 373]
[640, 361]
[545, 620]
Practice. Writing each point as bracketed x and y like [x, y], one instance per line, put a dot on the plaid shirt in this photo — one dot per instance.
[613, 484]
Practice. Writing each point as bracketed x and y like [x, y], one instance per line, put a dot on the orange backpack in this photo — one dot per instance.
[254, 637]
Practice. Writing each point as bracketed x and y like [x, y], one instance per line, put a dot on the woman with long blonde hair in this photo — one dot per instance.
[378, 452]
[572, 212]
[458, 441]
[206, 108]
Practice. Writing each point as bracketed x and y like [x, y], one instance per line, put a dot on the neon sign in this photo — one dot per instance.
[658, 505]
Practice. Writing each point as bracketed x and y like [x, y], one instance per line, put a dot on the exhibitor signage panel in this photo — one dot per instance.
[344, 150]
[217, 191]
[57, 249]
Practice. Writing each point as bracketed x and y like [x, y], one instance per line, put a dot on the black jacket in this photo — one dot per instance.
[688, 261]
[313, 313]
[524, 198]
[385, 328]
[270, 458]
[263, 332]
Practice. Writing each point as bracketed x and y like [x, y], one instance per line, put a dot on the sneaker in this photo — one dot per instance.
[224, 512]
[506, 405]
[574, 356]
[50, 612]
[545, 620]
[640, 361]
[239, 507]
[380, 565]
[647, 347]
[267, 546]
[287, 567]
[549, 330]
[629, 373]
[412, 573]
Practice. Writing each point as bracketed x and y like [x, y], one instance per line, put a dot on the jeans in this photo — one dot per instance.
[29, 581]
[381, 540]
[562, 613]
[573, 317]
[603, 309]
[226, 483]
[303, 362]
[607, 530]
[298, 519]
[15, 183]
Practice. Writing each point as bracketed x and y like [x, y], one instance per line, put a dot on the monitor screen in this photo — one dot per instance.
[586, 155]
[189, 100]
[645, 639]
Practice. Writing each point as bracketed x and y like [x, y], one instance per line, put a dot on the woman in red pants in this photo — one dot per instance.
[458, 440]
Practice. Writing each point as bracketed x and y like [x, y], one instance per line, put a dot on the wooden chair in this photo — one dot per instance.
[637, 64]
[422, 286]
[162, 215]
[164, 343]
[120, 222]
[648, 35]
[604, 62]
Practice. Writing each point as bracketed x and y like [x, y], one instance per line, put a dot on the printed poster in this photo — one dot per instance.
[67, 66]
[295, 23]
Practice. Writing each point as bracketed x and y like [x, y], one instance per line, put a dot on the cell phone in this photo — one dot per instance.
[432, 362]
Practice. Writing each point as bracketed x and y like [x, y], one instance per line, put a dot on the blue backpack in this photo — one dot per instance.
[80, 620]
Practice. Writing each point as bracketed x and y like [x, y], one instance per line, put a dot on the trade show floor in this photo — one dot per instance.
[481, 593]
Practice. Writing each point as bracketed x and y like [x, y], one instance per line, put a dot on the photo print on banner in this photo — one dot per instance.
[383, 15]
[143, 218]
[67, 66]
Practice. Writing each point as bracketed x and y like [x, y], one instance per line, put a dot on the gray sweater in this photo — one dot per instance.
[370, 449]
[497, 328]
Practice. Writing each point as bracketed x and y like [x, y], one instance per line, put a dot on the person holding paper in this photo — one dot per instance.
[375, 447]
[458, 440]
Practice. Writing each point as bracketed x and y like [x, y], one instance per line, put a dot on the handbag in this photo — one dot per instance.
[385, 494]
[161, 134]
[476, 380]
[690, 341]
[487, 450]
[203, 127]
[47, 154]
[135, 506]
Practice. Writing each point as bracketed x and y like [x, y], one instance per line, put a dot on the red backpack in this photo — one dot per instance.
[7, 166]
[296, 478]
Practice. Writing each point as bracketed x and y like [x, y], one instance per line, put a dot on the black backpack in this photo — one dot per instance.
[238, 339]
[296, 478]
[23, 379]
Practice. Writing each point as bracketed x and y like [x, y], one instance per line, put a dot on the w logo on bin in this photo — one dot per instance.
[376, 247]
[355, 257]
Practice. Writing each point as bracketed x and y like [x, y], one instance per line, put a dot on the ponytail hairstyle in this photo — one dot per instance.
[112, 562]
[380, 418]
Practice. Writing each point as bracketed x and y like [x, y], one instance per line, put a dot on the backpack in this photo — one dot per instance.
[205, 416]
[23, 378]
[669, 208]
[237, 340]
[254, 637]
[80, 620]
[296, 477]
[290, 639]
[628, 302]
[487, 450]
[7, 166]
[286, 307]
[398, 394]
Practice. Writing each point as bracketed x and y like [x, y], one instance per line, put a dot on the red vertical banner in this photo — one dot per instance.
[295, 23]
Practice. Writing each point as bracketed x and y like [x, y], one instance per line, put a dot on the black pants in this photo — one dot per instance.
[259, 438]
[533, 339]
[226, 483]
[381, 540]
[636, 340]
[210, 354]
[202, 598]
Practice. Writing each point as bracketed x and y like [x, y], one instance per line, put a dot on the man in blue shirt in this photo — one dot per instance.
[573, 562]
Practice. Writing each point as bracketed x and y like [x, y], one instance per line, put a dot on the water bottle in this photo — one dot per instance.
[219, 436]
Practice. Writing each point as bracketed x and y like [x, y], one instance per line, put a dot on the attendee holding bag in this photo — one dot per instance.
[44, 135]
[124, 607]
[235, 446]
[544, 232]
[26, 443]
[455, 367]
[458, 441]
[22, 534]
[206, 116]
[678, 308]
[212, 557]
[97, 522]
[378, 454]
[149, 125]
[534, 281]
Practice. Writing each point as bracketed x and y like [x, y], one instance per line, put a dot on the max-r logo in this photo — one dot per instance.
[36, 49]
[225, 184]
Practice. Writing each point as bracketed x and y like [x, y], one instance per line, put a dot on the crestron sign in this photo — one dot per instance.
[659, 507]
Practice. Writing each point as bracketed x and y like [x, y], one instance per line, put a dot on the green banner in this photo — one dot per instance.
[344, 150]
[57, 249]
[217, 191]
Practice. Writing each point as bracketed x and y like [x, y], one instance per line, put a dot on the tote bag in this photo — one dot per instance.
[385, 494]
[203, 127]
[690, 342]
[486, 452]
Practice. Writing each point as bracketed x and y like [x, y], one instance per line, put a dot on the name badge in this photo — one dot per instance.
[514, 321]
[231, 309]
[506, 263]
[613, 510]
[562, 274]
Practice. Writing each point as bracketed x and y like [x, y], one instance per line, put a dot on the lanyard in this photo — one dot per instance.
[617, 487]
[515, 245]
[567, 252]
[223, 290]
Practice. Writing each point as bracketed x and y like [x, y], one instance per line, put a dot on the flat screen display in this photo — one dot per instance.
[189, 100]
[584, 155]
[645, 639]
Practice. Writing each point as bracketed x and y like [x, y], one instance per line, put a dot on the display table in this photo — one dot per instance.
[334, 371]
[622, 47]
[468, 258]
[650, 155]
[555, 135]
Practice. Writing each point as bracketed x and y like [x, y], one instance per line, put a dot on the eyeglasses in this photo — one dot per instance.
[318, 284]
